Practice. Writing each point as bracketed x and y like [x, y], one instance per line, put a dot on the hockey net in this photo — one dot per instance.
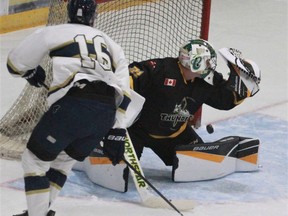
[144, 28]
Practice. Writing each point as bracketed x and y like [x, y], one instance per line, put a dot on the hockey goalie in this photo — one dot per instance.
[174, 89]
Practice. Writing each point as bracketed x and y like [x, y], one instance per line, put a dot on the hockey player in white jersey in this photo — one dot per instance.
[87, 101]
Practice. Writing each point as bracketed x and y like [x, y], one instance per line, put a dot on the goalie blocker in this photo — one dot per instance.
[213, 160]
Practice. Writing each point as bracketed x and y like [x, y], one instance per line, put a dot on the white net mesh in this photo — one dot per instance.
[144, 28]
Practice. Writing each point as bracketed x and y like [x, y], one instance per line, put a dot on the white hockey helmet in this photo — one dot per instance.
[199, 56]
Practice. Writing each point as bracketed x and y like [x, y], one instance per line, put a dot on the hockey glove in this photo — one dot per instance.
[244, 85]
[245, 75]
[36, 76]
[114, 144]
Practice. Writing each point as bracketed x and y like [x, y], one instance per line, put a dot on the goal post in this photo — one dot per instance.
[204, 34]
[144, 28]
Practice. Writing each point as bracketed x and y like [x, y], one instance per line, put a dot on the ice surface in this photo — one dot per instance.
[259, 29]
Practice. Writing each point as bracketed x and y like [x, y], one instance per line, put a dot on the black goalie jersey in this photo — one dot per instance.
[171, 101]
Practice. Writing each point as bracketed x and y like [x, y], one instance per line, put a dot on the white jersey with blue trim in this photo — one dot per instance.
[77, 52]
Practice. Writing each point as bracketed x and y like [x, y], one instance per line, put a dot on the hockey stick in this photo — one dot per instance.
[142, 186]
[149, 183]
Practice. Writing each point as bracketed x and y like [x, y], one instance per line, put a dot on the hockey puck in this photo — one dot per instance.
[209, 128]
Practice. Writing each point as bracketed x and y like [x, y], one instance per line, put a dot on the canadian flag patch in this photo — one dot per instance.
[169, 82]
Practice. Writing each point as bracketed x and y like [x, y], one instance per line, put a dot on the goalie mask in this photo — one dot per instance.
[198, 56]
[82, 11]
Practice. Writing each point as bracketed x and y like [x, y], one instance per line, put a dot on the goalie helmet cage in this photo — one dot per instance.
[144, 28]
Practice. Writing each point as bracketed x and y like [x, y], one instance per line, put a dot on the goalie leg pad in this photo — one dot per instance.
[207, 161]
[100, 171]
[247, 155]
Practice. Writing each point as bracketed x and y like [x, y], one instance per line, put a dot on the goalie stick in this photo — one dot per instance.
[144, 187]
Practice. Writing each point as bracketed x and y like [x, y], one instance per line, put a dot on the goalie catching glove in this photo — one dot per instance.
[114, 144]
[245, 75]
[35, 77]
